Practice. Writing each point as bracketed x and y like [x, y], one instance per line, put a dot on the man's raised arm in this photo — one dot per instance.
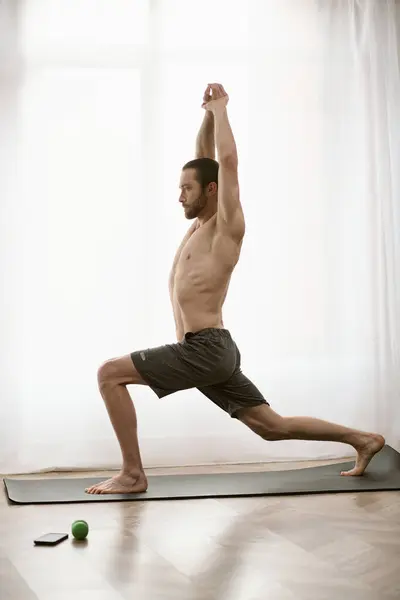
[230, 213]
[205, 141]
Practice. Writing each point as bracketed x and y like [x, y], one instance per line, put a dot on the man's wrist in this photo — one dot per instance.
[218, 112]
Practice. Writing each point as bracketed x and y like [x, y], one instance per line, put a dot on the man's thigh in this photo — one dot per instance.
[162, 368]
[235, 395]
[197, 361]
[119, 370]
[154, 367]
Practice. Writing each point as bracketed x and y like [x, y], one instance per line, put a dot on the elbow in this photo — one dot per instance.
[229, 160]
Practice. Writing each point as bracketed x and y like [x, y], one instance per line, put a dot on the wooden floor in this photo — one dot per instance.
[317, 547]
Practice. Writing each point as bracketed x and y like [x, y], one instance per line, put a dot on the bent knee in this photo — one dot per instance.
[269, 432]
[118, 371]
[268, 425]
[272, 435]
[107, 372]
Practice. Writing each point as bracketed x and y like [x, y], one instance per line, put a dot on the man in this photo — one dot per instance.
[205, 356]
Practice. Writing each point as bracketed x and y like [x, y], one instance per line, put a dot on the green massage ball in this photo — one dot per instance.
[79, 530]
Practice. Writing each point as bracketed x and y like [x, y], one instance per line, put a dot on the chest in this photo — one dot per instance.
[207, 254]
[197, 246]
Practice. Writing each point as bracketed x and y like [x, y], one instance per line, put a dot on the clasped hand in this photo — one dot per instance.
[215, 98]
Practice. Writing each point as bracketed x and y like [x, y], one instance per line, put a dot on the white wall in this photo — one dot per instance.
[98, 129]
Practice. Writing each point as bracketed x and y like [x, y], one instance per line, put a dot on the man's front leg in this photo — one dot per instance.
[113, 377]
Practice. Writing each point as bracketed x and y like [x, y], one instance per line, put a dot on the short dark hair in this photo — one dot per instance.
[206, 170]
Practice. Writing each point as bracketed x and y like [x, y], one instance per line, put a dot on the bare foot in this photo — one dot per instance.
[366, 450]
[120, 484]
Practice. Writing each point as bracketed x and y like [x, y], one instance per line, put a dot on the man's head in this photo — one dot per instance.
[199, 187]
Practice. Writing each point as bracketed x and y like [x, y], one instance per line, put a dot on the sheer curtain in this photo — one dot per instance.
[99, 110]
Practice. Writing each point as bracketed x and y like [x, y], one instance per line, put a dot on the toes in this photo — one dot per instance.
[92, 490]
[97, 490]
[354, 472]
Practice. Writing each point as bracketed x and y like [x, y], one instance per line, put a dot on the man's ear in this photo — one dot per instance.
[212, 188]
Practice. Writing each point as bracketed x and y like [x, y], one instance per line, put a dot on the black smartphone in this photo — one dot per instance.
[50, 539]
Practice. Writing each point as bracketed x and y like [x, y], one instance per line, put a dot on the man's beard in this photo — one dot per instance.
[193, 211]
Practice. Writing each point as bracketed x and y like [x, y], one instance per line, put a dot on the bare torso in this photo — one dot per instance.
[200, 277]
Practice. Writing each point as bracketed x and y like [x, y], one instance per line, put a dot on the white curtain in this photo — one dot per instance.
[99, 109]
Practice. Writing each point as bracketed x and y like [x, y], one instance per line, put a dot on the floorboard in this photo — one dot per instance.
[322, 547]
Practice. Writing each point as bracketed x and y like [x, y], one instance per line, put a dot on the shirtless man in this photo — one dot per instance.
[205, 356]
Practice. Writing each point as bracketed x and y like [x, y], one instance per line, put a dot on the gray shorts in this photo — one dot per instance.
[208, 360]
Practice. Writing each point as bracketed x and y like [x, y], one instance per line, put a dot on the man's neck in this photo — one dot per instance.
[200, 221]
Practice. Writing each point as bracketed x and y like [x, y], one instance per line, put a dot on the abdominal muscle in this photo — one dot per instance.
[200, 289]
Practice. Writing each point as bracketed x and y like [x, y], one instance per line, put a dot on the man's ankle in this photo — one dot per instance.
[355, 439]
[131, 470]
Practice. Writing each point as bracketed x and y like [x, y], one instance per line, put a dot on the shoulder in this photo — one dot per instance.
[227, 241]
[234, 227]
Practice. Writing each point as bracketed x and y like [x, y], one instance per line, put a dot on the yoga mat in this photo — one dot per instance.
[382, 474]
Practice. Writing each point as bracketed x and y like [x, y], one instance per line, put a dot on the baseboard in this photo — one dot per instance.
[175, 452]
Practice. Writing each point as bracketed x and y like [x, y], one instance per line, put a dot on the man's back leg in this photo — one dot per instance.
[271, 426]
[240, 398]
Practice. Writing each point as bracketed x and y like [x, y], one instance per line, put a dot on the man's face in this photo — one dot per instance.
[192, 196]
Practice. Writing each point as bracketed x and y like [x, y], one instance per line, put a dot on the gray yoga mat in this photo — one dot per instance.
[382, 474]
